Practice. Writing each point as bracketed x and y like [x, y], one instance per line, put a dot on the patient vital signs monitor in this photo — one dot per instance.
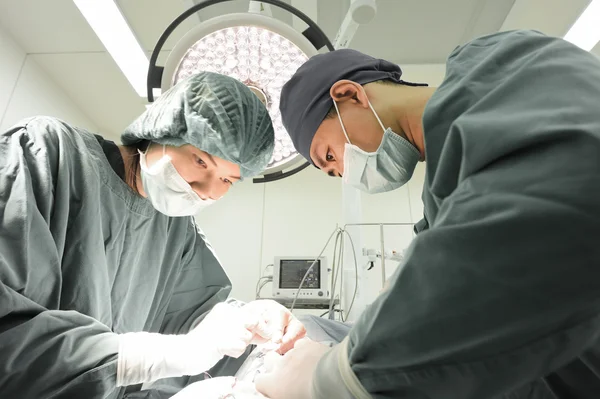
[289, 271]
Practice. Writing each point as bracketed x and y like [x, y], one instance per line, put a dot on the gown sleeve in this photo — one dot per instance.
[43, 352]
[201, 285]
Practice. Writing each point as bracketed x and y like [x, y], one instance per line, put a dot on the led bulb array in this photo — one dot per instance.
[255, 56]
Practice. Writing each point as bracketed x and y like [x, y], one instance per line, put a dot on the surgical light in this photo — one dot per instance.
[262, 59]
[585, 32]
[260, 51]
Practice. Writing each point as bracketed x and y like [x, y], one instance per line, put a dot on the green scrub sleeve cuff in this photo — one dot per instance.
[334, 378]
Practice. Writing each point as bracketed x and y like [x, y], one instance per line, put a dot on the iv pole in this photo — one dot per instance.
[382, 239]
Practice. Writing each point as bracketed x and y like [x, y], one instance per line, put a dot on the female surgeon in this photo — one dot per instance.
[105, 281]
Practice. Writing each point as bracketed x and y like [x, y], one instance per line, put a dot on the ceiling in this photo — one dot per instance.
[407, 32]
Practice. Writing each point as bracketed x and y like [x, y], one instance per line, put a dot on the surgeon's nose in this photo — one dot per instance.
[216, 188]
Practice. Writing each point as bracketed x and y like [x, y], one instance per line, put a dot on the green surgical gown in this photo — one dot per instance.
[500, 296]
[82, 259]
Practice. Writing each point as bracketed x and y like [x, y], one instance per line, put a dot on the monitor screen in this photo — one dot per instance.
[291, 272]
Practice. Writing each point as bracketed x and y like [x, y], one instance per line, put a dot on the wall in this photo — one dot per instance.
[254, 223]
[26, 90]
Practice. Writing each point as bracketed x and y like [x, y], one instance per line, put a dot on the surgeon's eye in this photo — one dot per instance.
[329, 157]
[227, 181]
[199, 161]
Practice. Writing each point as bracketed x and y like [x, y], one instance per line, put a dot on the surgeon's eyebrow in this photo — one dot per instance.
[320, 162]
[322, 165]
[211, 159]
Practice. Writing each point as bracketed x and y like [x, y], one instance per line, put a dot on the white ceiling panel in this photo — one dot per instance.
[149, 19]
[552, 17]
[94, 82]
[487, 17]
[426, 31]
[48, 26]
[149, 26]
[331, 13]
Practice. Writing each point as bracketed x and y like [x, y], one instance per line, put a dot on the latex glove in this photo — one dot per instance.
[276, 324]
[290, 376]
[212, 388]
[146, 357]
[228, 328]
[219, 388]
[246, 390]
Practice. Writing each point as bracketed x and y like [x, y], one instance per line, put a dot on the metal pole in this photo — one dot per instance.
[382, 255]
[382, 238]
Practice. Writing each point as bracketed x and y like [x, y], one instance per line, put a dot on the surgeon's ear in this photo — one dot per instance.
[347, 90]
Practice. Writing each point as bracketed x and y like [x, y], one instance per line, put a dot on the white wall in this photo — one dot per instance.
[26, 90]
[254, 223]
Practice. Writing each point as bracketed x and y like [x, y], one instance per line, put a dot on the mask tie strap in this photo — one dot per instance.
[376, 116]
[337, 111]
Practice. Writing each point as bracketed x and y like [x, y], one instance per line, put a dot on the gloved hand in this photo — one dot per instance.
[219, 388]
[290, 376]
[146, 357]
[275, 324]
[212, 388]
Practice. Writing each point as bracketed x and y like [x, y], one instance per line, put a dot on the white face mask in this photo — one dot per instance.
[169, 193]
[386, 169]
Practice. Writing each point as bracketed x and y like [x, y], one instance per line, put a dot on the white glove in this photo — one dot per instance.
[146, 357]
[219, 388]
[277, 324]
[211, 388]
[291, 376]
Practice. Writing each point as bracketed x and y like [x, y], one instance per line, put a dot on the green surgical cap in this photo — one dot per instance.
[214, 113]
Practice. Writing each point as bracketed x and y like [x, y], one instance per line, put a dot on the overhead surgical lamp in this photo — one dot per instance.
[260, 51]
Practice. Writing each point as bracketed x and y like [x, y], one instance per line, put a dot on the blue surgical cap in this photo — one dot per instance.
[214, 113]
[305, 99]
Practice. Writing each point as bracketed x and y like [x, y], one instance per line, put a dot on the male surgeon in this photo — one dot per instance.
[499, 296]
